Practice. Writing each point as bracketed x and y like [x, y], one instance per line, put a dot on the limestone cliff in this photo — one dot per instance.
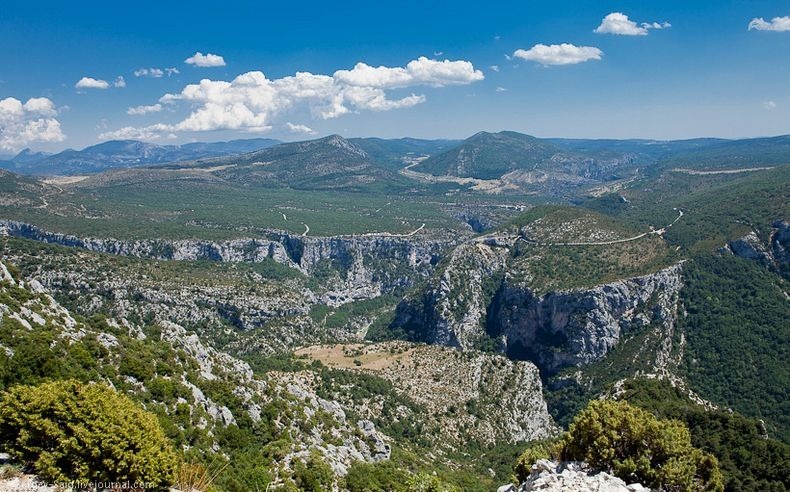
[571, 328]
[360, 267]
[773, 254]
[474, 297]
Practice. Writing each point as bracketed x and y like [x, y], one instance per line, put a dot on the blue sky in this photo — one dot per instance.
[706, 75]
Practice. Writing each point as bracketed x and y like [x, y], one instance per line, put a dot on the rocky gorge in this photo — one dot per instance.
[475, 296]
[363, 267]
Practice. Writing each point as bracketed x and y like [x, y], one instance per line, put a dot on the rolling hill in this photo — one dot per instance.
[327, 163]
[392, 153]
[493, 155]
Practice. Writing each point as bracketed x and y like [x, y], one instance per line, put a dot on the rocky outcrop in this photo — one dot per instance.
[752, 248]
[463, 396]
[550, 476]
[363, 266]
[572, 328]
[775, 255]
[780, 241]
[451, 310]
[472, 299]
[494, 398]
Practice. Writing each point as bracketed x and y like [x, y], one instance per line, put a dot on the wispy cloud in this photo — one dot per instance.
[559, 54]
[140, 110]
[619, 23]
[769, 105]
[156, 72]
[777, 24]
[119, 82]
[252, 102]
[207, 60]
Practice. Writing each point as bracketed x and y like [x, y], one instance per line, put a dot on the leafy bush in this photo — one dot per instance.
[426, 482]
[367, 477]
[634, 445]
[68, 430]
[313, 475]
[538, 450]
[749, 461]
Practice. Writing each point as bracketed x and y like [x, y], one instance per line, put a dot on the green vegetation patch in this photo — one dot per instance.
[749, 461]
[738, 336]
[634, 445]
[69, 430]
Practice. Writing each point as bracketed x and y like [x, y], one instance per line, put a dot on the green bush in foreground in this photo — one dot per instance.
[636, 446]
[539, 450]
[68, 430]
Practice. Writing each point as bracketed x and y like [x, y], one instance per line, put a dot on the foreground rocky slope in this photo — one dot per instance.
[154, 340]
[550, 476]
[460, 397]
[194, 374]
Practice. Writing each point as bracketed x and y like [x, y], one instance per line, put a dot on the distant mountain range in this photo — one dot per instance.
[520, 159]
[125, 153]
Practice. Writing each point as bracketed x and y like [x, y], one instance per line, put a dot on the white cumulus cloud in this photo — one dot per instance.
[778, 24]
[207, 60]
[119, 82]
[559, 54]
[619, 23]
[421, 71]
[91, 83]
[24, 123]
[303, 129]
[139, 110]
[253, 102]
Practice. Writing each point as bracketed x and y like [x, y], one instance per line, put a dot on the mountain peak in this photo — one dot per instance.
[487, 155]
[343, 144]
[27, 155]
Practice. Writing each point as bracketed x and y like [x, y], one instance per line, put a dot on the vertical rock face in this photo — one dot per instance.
[365, 266]
[780, 241]
[751, 248]
[451, 310]
[570, 328]
[471, 299]
[775, 255]
[368, 266]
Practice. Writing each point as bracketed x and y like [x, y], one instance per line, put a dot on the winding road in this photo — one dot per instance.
[516, 238]
[389, 234]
